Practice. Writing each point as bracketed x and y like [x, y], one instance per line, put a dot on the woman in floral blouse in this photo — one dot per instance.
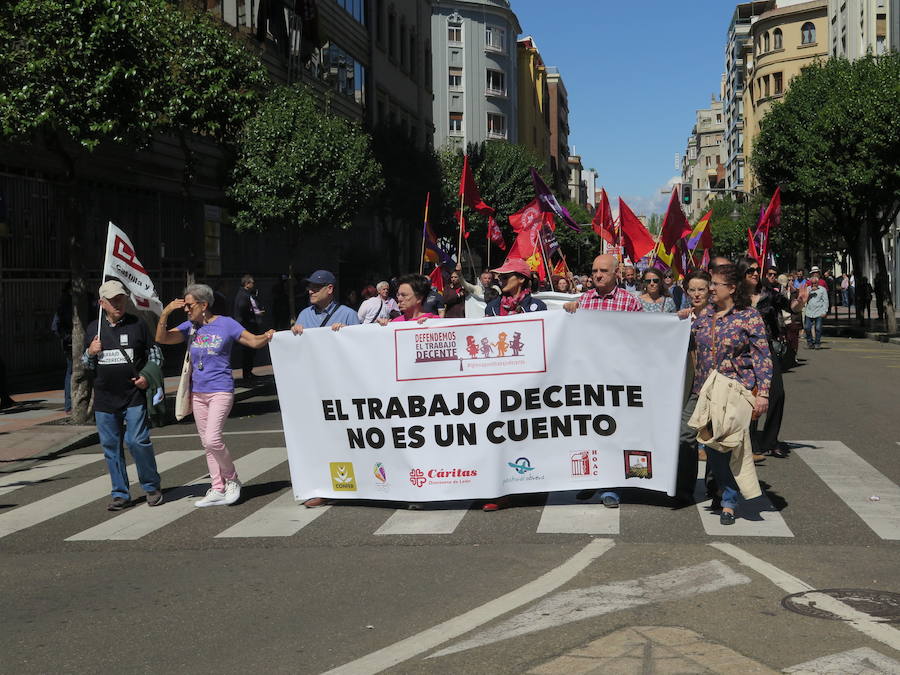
[655, 297]
[730, 337]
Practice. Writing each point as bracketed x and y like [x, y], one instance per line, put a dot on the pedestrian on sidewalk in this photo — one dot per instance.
[816, 309]
[249, 313]
[117, 354]
[210, 338]
[61, 325]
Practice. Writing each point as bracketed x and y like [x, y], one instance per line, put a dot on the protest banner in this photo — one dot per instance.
[461, 409]
[553, 300]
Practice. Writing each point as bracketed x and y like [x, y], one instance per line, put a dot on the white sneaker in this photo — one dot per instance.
[232, 491]
[212, 498]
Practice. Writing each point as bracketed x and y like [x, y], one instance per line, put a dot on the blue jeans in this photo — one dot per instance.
[718, 464]
[67, 385]
[808, 324]
[136, 435]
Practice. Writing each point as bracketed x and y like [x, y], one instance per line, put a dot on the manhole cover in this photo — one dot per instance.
[882, 606]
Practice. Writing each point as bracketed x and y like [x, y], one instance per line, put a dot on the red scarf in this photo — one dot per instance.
[512, 305]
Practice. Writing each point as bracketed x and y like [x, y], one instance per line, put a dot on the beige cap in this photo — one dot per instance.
[111, 289]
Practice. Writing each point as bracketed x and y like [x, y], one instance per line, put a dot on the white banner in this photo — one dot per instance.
[122, 263]
[464, 409]
[553, 300]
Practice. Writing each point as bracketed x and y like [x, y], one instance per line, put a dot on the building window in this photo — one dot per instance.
[496, 125]
[427, 62]
[379, 21]
[808, 33]
[456, 124]
[341, 72]
[778, 38]
[496, 82]
[454, 34]
[392, 35]
[455, 78]
[778, 83]
[494, 38]
[766, 86]
[766, 41]
[413, 53]
[355, 8]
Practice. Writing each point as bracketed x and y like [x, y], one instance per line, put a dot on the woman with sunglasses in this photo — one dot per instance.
[212, 385]
[655, 297]
[770, 304]
[731, 341]
[515, 284]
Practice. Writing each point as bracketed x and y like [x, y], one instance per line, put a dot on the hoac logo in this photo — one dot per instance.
[584, 464]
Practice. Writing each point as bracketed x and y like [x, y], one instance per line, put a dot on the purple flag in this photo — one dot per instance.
[548, 201]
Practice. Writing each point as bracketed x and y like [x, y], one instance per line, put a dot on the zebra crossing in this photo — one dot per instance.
[852, 480]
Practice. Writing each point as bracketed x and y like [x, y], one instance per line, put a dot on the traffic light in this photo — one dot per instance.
[686, 193]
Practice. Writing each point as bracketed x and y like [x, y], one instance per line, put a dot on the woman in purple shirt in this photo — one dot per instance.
[730, 337]
[212, 385]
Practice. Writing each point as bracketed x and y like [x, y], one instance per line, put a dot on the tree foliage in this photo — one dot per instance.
[580, 248]
[833, 144]
[299, 167]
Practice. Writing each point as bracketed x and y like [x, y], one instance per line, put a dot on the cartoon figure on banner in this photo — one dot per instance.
[486, 347]
[502, 345]
[471, 347]
[517, 345]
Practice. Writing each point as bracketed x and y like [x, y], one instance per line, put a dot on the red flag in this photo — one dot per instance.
[751, 246]
[469, 191]
[527, 224]
[675, 225]
[638, 241]
[561, 269]
[494, 233]
[437, 278]
[771, 218]
[603, 220]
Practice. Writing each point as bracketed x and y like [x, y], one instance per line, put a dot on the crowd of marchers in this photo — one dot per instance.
[746, 323]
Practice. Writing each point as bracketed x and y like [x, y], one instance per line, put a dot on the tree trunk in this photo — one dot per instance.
[858, 254]
[882, 286]
[187, 179]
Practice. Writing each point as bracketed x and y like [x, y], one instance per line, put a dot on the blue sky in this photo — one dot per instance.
[635, 72]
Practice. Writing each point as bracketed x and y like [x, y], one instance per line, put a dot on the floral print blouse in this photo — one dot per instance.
[741, 348]
[668, 305]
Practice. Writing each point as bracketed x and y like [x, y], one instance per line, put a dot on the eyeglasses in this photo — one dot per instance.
[751, 271]
[188, 306]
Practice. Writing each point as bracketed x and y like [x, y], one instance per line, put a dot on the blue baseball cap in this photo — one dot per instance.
[321, 278]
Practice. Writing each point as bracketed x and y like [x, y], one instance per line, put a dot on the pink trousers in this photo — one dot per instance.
[210, 413]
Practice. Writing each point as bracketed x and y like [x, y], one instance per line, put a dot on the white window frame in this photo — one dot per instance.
[493, 133]
[458, 29]
[456, 117]
[458, 86]
[491, 90]
[491, 43]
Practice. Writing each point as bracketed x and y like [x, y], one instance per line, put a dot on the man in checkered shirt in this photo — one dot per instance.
[605, 295]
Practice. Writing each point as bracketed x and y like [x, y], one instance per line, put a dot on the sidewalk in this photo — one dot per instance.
[35, 428]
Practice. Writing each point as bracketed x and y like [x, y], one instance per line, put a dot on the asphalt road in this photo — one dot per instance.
[495, 595]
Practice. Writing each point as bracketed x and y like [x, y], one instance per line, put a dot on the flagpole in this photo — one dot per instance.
[424, 226]
[462, 200]
[489, 245]
[103, 279]
[545, 257]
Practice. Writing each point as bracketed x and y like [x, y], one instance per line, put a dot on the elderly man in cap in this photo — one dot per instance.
[323, 309]
[117, 353]
[515, 285]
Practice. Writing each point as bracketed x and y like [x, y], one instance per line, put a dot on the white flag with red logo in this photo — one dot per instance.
[122, 263]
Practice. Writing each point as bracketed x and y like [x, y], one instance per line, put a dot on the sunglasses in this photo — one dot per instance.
[651, 281]
[751, 271]
[188, 306]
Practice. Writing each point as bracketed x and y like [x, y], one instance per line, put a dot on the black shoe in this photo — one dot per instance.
[726, 518]
[780, 453]
[117, 504]
[584, 495]
[8, 403]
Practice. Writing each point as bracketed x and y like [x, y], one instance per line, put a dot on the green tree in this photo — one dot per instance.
[580, 248]
[832, 144]
[299, 167]
[503, 174]
[75, 74]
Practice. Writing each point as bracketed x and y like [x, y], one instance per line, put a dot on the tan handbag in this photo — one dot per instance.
[183, 406]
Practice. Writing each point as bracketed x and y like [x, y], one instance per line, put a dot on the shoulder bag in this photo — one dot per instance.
[183, 406]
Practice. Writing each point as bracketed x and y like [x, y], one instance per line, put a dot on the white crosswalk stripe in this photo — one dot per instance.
[434, 520]
[852, 480]
[79, 495]
[757, 518]
[855, 481]
[137, 523]
[20, 479]
[282, 517]
[563, 514]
